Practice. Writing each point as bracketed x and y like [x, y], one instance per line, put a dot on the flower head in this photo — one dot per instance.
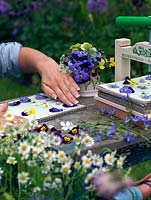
[84, 62]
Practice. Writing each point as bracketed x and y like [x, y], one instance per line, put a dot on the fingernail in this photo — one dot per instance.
[76, 102]
[78, 89]
[78, 95]
[54, 96]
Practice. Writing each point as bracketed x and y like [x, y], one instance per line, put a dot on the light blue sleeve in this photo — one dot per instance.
[132, 193]
[9, 54]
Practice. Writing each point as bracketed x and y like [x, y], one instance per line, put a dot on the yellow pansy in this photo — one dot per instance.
[112, 62]
[31, 111]
[133, 83]
[102, 64]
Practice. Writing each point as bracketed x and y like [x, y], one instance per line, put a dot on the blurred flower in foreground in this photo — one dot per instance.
[107, 185]
[96, 6]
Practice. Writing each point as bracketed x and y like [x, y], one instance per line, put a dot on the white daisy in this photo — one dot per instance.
[24, 148]
[61, 156]
[23, 177]
[11, 160]
[88, 141]
[77, 165]
[109, 159]
[86, 161]
[120, 162]
[97, 160]
[66, 168]
[9, 116]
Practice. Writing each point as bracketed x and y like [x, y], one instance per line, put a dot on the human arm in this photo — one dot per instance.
[15, 59]
[53, 81]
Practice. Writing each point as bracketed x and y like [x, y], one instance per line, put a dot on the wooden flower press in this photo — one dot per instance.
[124, 53]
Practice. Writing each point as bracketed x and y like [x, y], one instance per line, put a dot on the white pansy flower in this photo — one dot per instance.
[23, 177]
[56, 141]
[11, 160]
[66, 125]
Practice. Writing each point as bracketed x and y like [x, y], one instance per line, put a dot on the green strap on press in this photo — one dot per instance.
[133, 21]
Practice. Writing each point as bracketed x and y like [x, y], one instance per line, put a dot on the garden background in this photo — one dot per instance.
[51, 26]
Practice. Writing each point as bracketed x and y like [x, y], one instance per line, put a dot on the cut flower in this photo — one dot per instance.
[85, 63]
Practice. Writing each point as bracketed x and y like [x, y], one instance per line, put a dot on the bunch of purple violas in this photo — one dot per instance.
[84, 62]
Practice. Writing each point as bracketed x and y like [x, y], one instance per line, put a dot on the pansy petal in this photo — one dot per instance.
[53, 109]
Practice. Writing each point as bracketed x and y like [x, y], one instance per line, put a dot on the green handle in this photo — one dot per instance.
[133, 21]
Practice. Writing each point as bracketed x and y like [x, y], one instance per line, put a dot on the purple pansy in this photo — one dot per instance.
[68, 106]
[97, 6]
[53, 109]
[126, 81]
[24, 99]
[145, 96]
[14, 103]
[148, 77]
[40, 96]
[127, 90]
[24, 113]
[4, 6]
[142, 87]
[129, 137]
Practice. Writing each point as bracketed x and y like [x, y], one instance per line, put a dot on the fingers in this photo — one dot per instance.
[62, 92]
[48, 91]
[4, 107]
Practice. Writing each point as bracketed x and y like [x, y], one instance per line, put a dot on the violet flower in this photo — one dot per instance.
[40, 96]
[53, 109]
[14, 103]
[126, 81]
[148, 77]
[129, 137]
[97, 6]
[99, 137]
[4, 6]
[111, 132]
[24, 99]
[127, 90]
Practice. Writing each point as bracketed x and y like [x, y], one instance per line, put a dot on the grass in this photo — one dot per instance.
[11, 88]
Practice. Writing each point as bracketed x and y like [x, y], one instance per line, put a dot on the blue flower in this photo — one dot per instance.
[40, 96]
[24, 99]
[148, 77]
[53, 109]
[111, 132]
[129, 137]
[99, 137]
[127, 90]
